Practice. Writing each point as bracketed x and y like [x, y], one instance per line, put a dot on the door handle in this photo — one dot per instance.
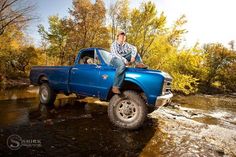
[73, 70]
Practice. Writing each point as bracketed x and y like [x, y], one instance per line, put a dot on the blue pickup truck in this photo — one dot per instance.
[93, 76]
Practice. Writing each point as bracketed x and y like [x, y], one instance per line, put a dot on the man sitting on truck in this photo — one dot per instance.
[123, 54]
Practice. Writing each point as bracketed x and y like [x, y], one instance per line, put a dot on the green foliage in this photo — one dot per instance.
[145, 27]
[57, 37]
[84, 28]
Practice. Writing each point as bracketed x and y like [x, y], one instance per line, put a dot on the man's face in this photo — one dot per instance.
[121, 38]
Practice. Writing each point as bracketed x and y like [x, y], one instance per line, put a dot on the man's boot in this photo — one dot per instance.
[141, 65]
[115, 90]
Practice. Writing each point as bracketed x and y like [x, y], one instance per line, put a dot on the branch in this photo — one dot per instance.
[4, 6]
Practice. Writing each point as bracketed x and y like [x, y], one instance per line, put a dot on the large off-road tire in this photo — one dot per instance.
[47, 95]
[127, 110]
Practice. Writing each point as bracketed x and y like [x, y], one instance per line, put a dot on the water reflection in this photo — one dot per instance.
[207, 102]
[79, 127]
[19, 93]
[15, 112]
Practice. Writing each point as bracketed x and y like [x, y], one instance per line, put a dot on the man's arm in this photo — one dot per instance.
[133, 50]
[115, 53]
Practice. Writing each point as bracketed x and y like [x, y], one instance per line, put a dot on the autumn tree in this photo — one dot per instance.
[16, 54]
[177, 32]
[57, 36]
[85, 27]
[220, 62]
[119, 17]
[18, 12]
[26, 57]
[160, 45]
[88, 24]
[145, 26]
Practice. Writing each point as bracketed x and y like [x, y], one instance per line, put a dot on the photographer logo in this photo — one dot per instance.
[15, 142]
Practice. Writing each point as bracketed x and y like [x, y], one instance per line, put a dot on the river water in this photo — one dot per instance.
[199, 125]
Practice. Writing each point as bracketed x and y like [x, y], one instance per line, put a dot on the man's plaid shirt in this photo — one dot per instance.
[121, 50]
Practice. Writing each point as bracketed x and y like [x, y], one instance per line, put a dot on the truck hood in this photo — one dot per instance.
[149, 71]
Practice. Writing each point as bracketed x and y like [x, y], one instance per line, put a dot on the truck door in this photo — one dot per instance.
[84, 75]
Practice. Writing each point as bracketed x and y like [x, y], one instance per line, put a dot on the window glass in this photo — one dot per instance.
[88, 57]
[105, 55]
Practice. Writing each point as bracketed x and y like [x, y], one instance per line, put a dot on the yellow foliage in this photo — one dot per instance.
[15, 44]
[186, 84]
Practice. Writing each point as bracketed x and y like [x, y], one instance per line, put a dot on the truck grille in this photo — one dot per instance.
[166, 87]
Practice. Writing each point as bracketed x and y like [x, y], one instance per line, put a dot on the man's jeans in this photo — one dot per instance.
[120, 68]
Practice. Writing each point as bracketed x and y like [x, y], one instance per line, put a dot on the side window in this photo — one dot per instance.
[96, 59]
[89, 57]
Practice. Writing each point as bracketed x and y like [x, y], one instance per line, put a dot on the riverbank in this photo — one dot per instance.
[22, 89]
[14, 83]
[25, 82]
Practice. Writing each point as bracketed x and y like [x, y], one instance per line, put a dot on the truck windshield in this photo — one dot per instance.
[106, 56]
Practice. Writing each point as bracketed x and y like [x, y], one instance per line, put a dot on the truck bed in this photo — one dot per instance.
[58, 76]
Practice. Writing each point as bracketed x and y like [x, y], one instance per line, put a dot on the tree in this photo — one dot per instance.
[10, 42]
[119, 17]
[177, 32]
[57, 36]
[232, 44]
[160, 47]
[85, 27]
[16, 12]
[219, 61]
[183, 65]
[143, 31]
[16, 54]
[88, 24]
[25, 58]
[227, 77]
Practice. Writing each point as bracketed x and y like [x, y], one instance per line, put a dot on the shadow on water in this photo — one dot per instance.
[71, 128]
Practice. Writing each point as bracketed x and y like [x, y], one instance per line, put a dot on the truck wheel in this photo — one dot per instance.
[47, 95]
[128, 110]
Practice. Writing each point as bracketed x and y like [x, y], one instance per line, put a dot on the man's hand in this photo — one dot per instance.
[132, 60]
[128, 63]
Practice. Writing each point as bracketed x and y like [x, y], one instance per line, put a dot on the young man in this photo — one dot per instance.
[123, 54]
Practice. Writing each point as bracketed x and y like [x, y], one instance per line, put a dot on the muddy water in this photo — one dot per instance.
[192, 126]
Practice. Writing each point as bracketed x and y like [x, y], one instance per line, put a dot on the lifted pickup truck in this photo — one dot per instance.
[92, 75]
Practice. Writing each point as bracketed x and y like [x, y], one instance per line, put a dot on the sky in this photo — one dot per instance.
[208, 20]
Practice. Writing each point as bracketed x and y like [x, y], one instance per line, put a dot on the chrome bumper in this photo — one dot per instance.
[162, 100]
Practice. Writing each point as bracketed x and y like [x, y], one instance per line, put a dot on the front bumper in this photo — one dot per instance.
[162, 100]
